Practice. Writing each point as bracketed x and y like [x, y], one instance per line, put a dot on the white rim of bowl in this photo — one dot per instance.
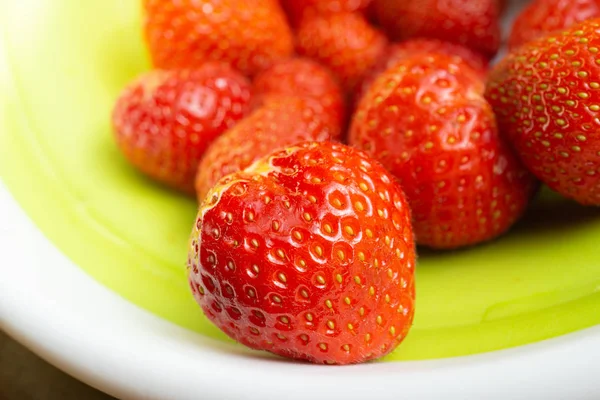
[59, 312]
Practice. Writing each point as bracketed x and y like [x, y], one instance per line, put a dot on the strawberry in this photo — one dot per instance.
[345, 43]
[397, 52]
[301, 77]
[308, 254]
[474, 24]
[164, 120]
[546, 95]
[280, 122]
[542, 17]
[299, 9]
[248, 34]
[426, 120]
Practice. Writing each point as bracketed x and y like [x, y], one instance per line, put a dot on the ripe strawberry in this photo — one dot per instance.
[546, 95]
[474, 24]
[164, 120]
[301, 77]
[308, 254]
[436, 133]
[345, 43]
[396, 52]
[299, 9]
[542, 17]
[248, 34]
[280, 122]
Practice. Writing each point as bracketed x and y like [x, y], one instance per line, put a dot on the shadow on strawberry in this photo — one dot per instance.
[552, 212]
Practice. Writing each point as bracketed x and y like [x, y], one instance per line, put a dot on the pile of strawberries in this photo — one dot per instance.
[305, 246]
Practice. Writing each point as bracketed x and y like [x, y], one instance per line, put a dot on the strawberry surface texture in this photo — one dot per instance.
[165, 120]
[280, 122]
[248, 34]
[308, 254]
[300, 9]
[427, 121]
[542, 17]
[346, 43]
[546, 95]
[397, 52]
[472, 23]
[301, 77]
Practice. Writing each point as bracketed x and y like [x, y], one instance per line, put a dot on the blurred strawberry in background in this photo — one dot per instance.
[472, 23]
[248, 34]
[541, 17]
[346, 43]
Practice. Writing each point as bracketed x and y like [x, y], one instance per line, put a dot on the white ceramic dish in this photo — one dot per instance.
[50, 305]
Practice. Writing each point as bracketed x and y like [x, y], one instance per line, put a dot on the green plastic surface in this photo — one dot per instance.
[63, 63]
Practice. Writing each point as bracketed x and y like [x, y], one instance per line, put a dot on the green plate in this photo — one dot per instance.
[64, 64]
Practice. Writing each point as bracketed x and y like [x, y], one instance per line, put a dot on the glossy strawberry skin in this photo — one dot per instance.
[397, 52]
[299, 9]
[301, 77]
[280, 122]
[248, 34]
[427, 122]
[542, 17]
[307, 254]
[345, 43]
[474, 24]
[546, 96]
[164, 121]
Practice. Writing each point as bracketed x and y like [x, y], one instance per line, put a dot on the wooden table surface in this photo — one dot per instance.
[24, 376]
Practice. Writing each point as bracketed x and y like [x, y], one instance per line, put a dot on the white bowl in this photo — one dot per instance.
[51, 306]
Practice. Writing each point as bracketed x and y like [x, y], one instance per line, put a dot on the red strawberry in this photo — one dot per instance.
[472, 23]
[308, 254]
[546, 95]
[346, 43]
[299, 9]
[436, 133]
[542, 17]
[301, 77]
[397, 52]
[280, 122]
[248, 34]
[164, 121]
